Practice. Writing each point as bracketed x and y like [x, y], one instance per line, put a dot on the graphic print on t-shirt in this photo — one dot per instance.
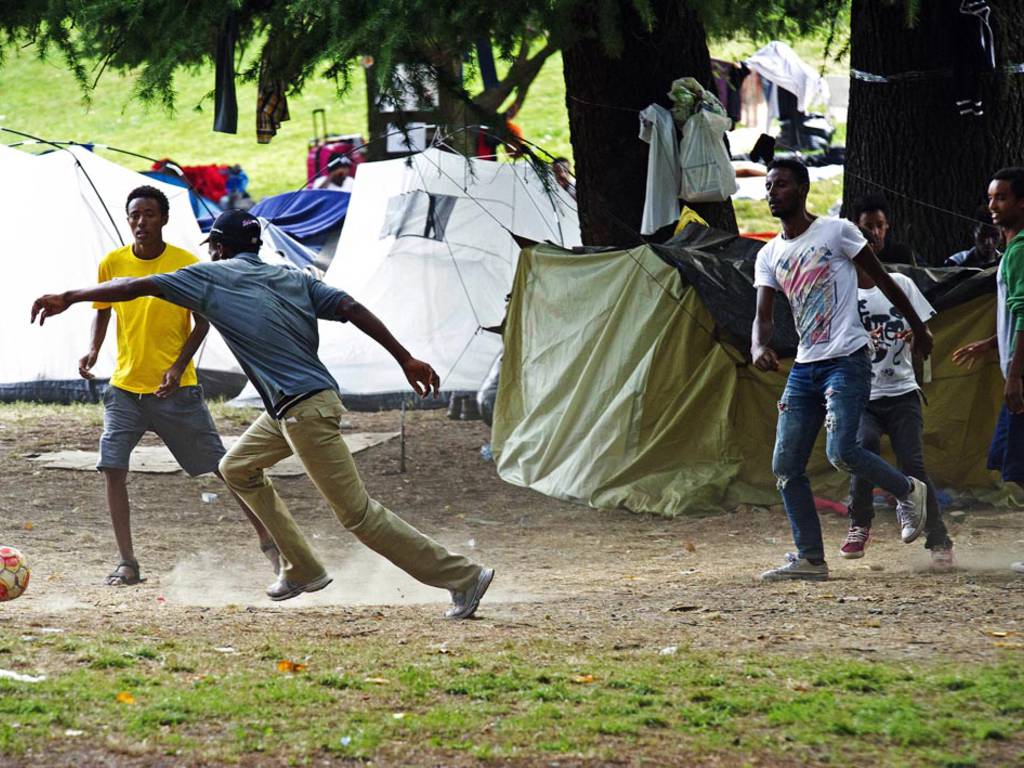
[886, 329]
[892, 365]
[806, 279]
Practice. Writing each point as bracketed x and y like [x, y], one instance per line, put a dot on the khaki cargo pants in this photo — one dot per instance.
[312, 431]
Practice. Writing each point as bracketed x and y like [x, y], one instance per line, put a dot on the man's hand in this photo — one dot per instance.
[1014, 394]
[171, 381]
[85, 364]
[971, 353]
[921, 341]
[48, 305]
[764, 358]
[422, 377]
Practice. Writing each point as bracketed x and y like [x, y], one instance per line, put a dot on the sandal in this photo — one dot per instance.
[117, 579]
[273, 555]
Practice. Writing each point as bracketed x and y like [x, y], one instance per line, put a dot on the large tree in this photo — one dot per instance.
[905, 136]
[620, 55]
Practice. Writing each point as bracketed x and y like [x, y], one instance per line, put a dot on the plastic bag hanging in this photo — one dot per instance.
[707, 172]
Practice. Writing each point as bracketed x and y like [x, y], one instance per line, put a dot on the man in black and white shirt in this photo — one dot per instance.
[894, 410]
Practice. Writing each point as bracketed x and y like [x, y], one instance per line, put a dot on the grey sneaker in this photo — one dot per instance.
[1017, 567]
[283, 588]
[797, 568]
[912, 512]
[464, 604]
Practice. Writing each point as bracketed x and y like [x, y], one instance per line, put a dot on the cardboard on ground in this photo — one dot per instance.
[156, 459]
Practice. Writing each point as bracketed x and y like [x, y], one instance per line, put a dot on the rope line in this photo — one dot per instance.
[922, 203]
[451, 253]
[78, 164]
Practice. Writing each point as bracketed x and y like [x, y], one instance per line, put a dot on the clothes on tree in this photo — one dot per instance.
[225, 105]
[688, 97]
[661, 201]
[728, 77]
[271, 103]
[974, 52]
[780, 68]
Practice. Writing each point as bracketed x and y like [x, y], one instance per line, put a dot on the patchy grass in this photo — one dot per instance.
[371, 700]
[41, 98]
[754, 216]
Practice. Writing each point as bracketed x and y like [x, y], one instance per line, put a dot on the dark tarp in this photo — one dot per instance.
[216, 385]
[720, 266]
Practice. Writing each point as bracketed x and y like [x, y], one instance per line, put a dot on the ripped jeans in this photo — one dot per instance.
[835, 393]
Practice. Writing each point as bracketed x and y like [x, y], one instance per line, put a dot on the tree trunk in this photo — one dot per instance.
[604, 93]
[905, 138]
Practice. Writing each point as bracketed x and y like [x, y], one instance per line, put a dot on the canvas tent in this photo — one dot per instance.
[625, 384]
[63, 211]
[427, 247]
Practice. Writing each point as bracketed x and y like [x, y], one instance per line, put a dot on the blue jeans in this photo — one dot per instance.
[835, 393]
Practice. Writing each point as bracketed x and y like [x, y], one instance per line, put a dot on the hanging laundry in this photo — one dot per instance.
[728, 77]
[661, 203]
[778, 65]
[271, 102]
[225, 105]
[974, 52]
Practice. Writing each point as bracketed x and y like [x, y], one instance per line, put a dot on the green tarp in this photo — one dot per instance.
[616, 392]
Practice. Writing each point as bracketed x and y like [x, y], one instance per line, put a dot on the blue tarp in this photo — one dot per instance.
[280, 241]
[307, 214]
[203, 207]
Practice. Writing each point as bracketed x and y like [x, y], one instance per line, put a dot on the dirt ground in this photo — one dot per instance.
[607, 577]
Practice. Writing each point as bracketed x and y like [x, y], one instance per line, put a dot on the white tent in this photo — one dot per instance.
[427, 247]
[63, 212]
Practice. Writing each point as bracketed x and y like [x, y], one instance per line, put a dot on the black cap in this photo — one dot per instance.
[238, 228]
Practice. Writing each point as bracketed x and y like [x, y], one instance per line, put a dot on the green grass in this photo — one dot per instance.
[754, 216]
[373, 700]
[41, 97]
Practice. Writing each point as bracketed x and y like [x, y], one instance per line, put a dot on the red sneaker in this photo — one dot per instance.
[855, 543]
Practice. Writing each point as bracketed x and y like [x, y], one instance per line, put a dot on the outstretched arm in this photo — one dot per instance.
[922, 340]
[121, 289]
[420, 375]
[764, 357]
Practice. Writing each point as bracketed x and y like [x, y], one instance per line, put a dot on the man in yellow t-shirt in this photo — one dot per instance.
[154, 386]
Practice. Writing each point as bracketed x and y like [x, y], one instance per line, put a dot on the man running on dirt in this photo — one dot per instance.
[813, 261]
[268, 317]
[154, 386]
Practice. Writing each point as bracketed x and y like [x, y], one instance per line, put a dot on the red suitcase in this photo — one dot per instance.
[323, 145]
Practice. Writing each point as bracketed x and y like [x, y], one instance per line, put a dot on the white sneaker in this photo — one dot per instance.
[1017, 567]
[912, 512]
[797, 568]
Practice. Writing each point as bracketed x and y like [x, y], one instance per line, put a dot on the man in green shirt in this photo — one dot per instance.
[1006, 203]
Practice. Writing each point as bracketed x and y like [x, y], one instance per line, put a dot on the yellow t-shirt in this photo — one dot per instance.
[150, 331]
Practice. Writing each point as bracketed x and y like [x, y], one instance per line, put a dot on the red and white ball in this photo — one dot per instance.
[14, 573]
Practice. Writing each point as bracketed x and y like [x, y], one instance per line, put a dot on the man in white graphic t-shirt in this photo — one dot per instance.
[894, 410]
[813, 261]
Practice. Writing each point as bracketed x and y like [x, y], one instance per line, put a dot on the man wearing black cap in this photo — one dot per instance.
[339, 175]
[268, 317]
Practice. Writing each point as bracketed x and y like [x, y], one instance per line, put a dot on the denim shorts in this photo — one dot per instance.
[182, 421]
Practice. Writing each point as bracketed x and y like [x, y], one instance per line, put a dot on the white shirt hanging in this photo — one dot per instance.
[661, 203]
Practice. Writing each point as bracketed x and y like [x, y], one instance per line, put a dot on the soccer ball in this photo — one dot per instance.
[14, 573]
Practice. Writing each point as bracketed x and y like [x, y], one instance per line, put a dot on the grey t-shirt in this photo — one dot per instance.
[267, 315]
